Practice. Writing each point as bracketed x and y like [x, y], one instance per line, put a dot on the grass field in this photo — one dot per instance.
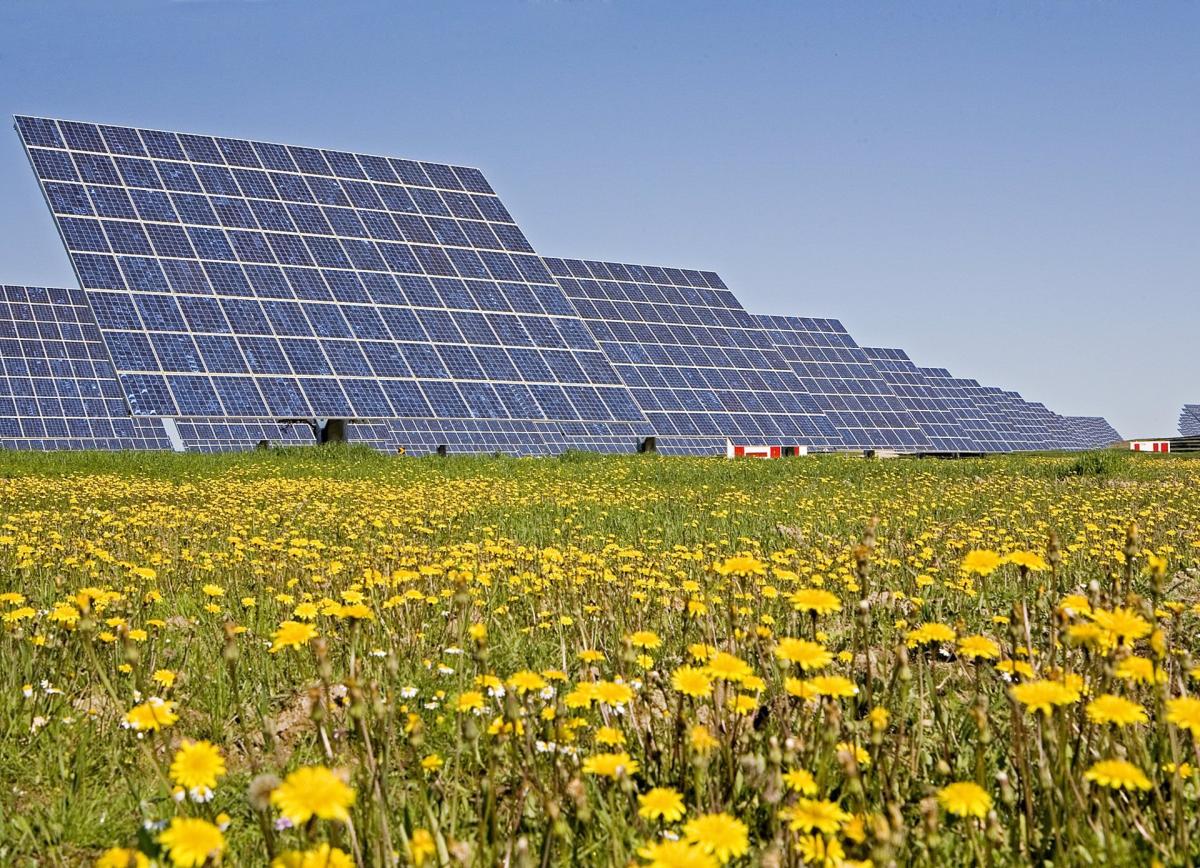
[330, 657]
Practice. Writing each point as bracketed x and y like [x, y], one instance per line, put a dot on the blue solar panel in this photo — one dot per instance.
[960, 398]
[1032, 431]
[846, 386]
[1189, 420]
[700, 367]
[1094, 432]
[237, 278]
[57, 385]
[932, 410]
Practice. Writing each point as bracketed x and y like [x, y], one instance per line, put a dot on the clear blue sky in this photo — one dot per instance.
[1009, 190]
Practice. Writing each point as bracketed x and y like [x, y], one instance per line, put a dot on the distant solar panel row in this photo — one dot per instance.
[697, 363]
[236, 292]
[851, 391]
[1189, 420]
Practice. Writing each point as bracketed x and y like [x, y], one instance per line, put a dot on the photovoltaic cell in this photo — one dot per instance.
[927, 405]
[700, 367]
[846, 386]
[249, 279]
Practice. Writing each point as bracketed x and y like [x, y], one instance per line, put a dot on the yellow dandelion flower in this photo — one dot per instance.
[661, 803]
[1031, 561]
[965, 799]
[122, 857]
[1043, 695]
[1125, 624]
[197, 765]
[1110, 709]
[820, 815]
[676, 854]
[645, 639]
[701, 740]
[610, 765]
[809, 656]
[802, 781]
[191, 842]
[815, 600]
[691, 681]
[832, 685]
[727, 667]
[1184, 712]
[720, 834]
[313, 791]
[978, 647]
[1118, 775]
[982, 562]
[292, 634]
[152, 715]
[610, 736]
[741, 565]
[613, 693]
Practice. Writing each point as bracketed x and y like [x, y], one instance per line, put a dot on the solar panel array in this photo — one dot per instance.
[1092, 432]
[960, 398]
[1189, 420]
[851, 391]
[927, 405]
[236, 292]
[249, 279]
[699, 365]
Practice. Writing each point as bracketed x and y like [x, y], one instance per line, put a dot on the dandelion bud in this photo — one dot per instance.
[521, 851]
[229, 653]
[1133, 542]
[1008, 795]
[316, 711]
[772, 857]
[929, 820]
[258, 793]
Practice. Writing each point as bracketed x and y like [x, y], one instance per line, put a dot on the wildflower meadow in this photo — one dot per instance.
[329, 657]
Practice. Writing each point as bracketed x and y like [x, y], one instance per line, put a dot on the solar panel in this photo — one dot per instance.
[697, 363]
[1062, 433]
[244, 279]
[959, 397]
[927, 405]
[1189, 420]
[1033, 432]
[57, 386]
[846, 386]
[1093, 432]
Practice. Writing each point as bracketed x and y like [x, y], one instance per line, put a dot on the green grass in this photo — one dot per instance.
[551, 537]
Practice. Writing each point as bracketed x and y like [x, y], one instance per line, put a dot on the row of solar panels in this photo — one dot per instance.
[1189, 420]
[231, 288]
